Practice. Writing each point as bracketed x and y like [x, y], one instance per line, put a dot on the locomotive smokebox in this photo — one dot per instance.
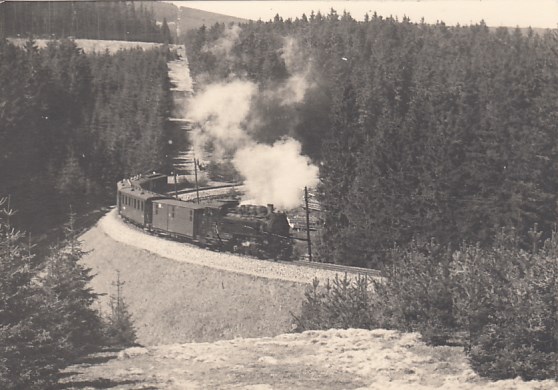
[269, 208]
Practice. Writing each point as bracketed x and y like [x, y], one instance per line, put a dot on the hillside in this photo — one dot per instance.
[176, 300]
[191, 18]
[225, 315]
[180, 293]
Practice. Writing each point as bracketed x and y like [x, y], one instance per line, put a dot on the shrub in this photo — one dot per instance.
[416, 294]
[506, 300]
[503, 298]
[344, 303]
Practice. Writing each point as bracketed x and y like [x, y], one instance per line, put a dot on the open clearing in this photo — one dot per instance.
[94, 45]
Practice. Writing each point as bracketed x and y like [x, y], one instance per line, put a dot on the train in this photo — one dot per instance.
[223, 225]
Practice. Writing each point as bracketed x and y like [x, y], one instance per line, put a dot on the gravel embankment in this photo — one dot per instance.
[180, 293]
[122, 232]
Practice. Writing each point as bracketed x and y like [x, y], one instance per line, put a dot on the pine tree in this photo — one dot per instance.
[29, 354]
[119, 328]
[165, 32]
[69, 298]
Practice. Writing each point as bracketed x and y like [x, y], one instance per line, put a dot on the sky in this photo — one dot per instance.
[511, 13]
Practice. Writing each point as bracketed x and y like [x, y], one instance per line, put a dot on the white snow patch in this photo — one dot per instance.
[131, 352]
[94, 45]
[356, 358]
[267, 360]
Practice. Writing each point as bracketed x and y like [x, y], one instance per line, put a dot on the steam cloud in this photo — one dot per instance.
[224, 45]
[227, 115]
[276, 173]
[219, 113]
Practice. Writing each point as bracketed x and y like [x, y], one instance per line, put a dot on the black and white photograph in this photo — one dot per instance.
[278, 195]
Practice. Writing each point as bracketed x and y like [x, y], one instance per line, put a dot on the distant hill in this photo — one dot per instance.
[187, 18]
[191, 18]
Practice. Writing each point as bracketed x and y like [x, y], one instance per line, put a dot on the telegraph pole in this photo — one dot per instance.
[308, 224]
[196, 175]
[175, 186]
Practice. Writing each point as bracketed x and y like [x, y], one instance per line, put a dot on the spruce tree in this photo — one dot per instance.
[69, 298]
[29, 355]
[119, 328]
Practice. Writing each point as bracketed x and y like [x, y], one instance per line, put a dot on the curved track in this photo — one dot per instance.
[221, 190]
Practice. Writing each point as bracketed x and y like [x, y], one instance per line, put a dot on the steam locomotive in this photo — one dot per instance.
[222, 225]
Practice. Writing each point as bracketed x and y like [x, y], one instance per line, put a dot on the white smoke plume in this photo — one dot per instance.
[218, 113]
[295, 87]
[276, 173]
[228, 115]
[224, 45]
[290, 53]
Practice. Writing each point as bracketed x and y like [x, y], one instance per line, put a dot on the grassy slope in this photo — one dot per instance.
[176, 302]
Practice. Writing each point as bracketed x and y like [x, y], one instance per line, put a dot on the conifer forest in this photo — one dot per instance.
[421, 131]
[73, 124]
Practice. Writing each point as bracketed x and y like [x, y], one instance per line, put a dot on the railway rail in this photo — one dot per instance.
[372, 273]
[221, 190]
[224, 189]
[206, 192]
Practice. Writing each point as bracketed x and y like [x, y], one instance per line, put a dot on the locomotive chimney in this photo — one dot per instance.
[269, 208]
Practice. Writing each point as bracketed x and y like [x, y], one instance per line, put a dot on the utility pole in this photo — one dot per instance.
[196, 175]
[308, 224]
[175, 186]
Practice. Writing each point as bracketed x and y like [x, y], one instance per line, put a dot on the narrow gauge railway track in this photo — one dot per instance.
[218, 190]
[208, 192]
[372, 273]
[190, 194]
[341, 269]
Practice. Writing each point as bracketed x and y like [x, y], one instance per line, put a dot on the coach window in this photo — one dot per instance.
[156, 209]
[172, 212]
[191, 212]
